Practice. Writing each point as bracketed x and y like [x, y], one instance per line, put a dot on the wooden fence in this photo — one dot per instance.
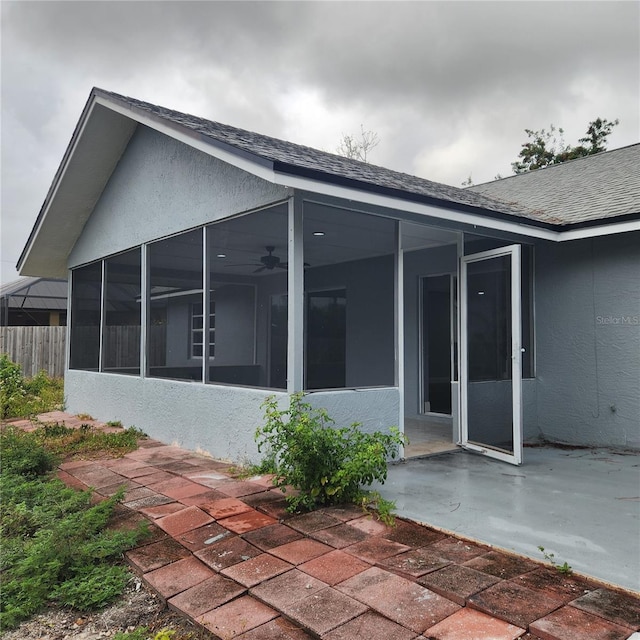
[35, 348]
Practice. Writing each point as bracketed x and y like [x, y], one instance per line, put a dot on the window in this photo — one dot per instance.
[86, 296]
[350, 292]
[197, 329]
[247, 258]
[122, 315]
[175, 286]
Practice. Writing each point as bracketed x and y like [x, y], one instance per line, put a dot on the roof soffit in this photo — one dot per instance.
[98, 143]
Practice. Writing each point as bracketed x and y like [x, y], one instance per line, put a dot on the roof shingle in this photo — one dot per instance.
[301, 160]
[598, 187]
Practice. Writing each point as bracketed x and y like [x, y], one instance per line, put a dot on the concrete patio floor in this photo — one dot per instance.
[583, 505]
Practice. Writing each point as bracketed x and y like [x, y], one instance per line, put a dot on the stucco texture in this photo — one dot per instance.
[588, 341]
[218, 420]
[161, 187]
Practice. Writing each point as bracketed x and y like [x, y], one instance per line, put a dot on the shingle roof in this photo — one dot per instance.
[305, 161]
[35, 293]
[598, 187]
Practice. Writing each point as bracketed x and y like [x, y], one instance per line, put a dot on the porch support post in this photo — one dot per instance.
[103, 313]
[144, 309]
[295, 307]
[206, 294]
[399, 327]
[67, 342]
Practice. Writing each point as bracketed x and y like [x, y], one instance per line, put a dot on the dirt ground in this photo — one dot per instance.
[137, 607]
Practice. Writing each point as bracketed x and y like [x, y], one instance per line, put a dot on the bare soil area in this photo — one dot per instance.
[138, 606]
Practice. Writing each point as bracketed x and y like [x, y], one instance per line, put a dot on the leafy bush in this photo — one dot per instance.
[54, 543]
[326, 465]
[21, 397]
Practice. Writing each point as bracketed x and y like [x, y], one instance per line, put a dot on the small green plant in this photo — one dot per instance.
[563, 568]
[324, 464]
[22, 397]
[375, 505]
[114, 423]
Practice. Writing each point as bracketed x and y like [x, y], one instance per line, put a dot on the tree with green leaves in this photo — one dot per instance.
[545, 148]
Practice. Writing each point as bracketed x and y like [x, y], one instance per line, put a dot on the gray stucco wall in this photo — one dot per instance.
[588, 341]
[375, 409]
[161, 187]
[219, 420]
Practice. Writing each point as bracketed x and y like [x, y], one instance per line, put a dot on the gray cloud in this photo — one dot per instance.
[449, 86]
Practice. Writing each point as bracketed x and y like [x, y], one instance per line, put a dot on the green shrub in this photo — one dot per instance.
[22, 397]
[92, 587]
[325, 465]
[54, 543]
[22, 454]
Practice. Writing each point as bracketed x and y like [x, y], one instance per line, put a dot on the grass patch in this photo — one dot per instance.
[86, 442]
[22, 397]
[55, 544]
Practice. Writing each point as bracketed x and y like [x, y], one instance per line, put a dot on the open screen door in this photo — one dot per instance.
[490, 350]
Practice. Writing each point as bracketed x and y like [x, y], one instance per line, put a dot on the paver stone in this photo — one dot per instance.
[570, 623]
[334, 567]
[184, 520]
[613, 606]
[237, 617]
[401, 600]
[468, 624]
[203, 597]
[322, 611]
[178, 576]
[514, 603]
[370, 626]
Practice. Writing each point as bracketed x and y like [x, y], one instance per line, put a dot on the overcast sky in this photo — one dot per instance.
[449, 87]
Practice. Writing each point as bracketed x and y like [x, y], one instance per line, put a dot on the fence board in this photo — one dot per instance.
[35, 348]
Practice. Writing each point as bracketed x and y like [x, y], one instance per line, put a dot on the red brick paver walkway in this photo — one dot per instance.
[226, 554]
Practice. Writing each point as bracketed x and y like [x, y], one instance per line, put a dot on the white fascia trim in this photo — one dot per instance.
[318, 186]
[600, 230]
[520, 228]
[193, 141]
[389, 202]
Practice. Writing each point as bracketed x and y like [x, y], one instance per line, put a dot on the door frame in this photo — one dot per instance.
[516, 355]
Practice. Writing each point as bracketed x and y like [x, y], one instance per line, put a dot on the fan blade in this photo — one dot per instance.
[259, 270]
[248, 264]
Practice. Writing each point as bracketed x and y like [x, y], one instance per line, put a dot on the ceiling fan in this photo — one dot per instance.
[267, 263]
